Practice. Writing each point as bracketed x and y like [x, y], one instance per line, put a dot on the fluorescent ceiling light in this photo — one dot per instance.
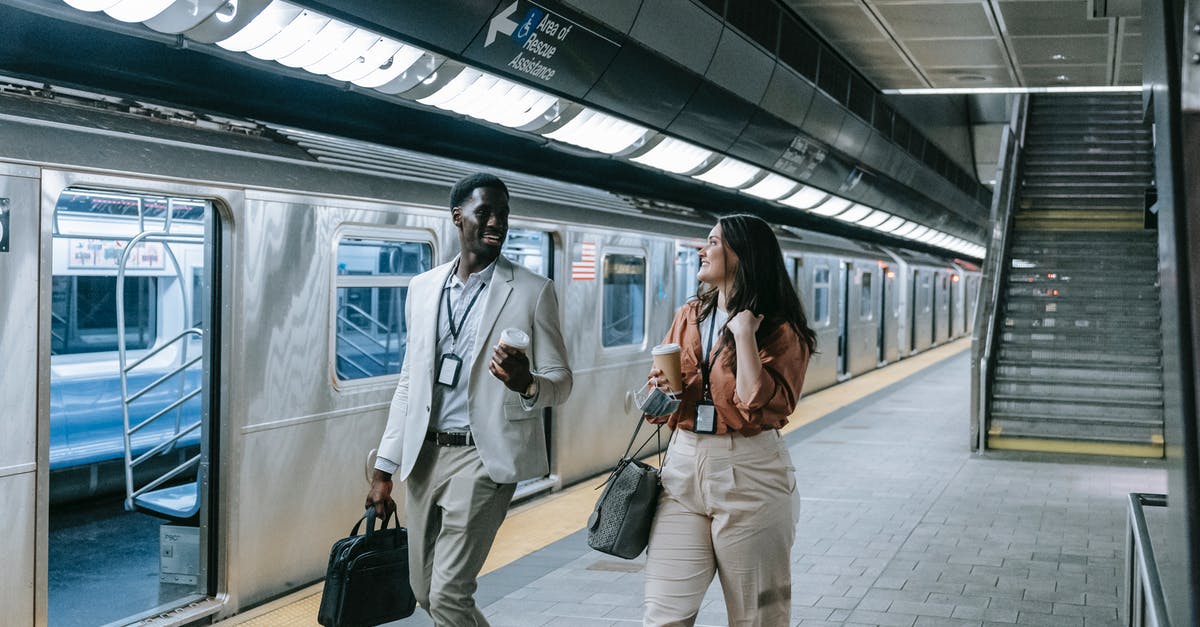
[905, 229]
[292, 37]
[729, 173]
[134, 11]
[891, 224]
[674, 155]
[874, 219]
[379, 55]
[772, 186]
[91, 5]
[332, 35]
[598, 131]
[855, 213]
[262, 28]
[397, 64]
[831, 207]
[346, 53]
[1062, 89]
[806, 198]
[490, 98]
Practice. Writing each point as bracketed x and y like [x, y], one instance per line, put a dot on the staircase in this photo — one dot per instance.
[1079, 365]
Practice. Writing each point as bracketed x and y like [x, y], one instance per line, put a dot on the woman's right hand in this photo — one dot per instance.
[656, 379]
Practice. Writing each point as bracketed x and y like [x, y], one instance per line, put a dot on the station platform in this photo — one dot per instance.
[900, 525]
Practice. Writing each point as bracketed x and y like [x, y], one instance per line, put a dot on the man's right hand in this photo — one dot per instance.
[380, 496]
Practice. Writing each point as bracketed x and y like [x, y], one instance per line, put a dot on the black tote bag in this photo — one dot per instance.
[620, 522]
[366, 582]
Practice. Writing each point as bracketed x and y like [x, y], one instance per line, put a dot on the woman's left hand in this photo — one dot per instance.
[744, 323]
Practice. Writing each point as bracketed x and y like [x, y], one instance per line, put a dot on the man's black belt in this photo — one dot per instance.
[450, 438]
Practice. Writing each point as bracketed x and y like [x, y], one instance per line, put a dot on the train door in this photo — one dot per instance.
[534, 249]
[131, 404]
[884, 291]
[933, 311]
[20, 460]
[954, 317]
[844, 319]
[915, 309]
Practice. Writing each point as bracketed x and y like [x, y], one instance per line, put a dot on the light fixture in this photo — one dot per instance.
[875, 218]
[91, 6]
[1058, 56]
[1062, 78]
[262, 28]
[806, 198]
[598, 131]
[134, 11]
[891, 224]
[290, 38]
[904, 229]
[831, 207]
[729, 172]
[855, 213]
[674, 155]
[771, 187]
[491, 98]
[325, 41]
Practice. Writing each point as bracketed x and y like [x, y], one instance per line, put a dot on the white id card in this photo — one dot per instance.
[448, 370]
[706, 417]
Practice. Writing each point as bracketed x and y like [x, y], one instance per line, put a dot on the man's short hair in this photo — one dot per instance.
[468, 184]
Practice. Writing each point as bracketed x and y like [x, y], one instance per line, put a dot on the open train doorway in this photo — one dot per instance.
[130, 405]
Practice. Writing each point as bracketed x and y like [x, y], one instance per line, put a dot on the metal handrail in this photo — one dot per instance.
[1145, 604]
[344, 337]
[995, 274]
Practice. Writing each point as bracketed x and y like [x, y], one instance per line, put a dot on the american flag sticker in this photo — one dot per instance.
[584, 268]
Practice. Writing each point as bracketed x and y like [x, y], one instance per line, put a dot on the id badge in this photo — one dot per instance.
[448, 370]
[706, 417]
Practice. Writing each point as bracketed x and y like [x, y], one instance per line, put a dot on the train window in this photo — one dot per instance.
[372, 285]
[624, 300]
[84, 313]
[529, 248]
[927, 290]
[687, 265]
[820, 312]
[865, 310]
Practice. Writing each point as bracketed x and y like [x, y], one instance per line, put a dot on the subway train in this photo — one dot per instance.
[219, 327]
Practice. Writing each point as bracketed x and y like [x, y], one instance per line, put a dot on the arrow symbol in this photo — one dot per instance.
[501, 24]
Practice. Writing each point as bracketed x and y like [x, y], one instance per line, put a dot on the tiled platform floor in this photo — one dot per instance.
[901, 525]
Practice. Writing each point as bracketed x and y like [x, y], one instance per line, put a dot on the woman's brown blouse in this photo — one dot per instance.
[784, 360]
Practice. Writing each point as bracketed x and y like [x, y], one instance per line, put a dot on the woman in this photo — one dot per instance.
[728, 504]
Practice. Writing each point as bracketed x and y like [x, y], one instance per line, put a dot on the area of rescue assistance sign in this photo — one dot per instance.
[530, 41]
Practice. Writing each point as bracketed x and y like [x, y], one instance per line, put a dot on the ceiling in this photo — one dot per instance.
[953, 44]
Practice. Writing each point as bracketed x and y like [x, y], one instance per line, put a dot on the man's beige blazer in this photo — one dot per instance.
[510, 438]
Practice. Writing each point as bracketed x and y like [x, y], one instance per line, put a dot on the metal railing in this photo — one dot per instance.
[1145, 605]
[995, 270]
[343, 337]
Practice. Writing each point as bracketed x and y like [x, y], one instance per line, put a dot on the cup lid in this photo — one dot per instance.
[664, 349]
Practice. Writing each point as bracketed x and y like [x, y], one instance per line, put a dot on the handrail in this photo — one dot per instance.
[995, 274]
[1145, 605]
[344, 337]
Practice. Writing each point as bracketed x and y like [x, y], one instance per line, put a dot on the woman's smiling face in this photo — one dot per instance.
[717, 261]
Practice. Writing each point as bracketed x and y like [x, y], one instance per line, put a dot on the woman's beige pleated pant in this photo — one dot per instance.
[728, 507]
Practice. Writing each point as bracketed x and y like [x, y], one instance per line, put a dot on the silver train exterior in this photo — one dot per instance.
[286, 440]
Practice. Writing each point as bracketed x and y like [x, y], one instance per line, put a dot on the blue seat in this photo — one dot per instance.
[178, 502]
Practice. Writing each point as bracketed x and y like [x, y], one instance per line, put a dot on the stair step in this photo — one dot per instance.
[1085, 216]
[1039, 426]
[1073, 293]
[1065, 264]
[1079, 390]
[1073, 160]
[1147, 239]
[1125, 375]
[1082, 409]
[1132, 151]
[1149, 310]
[1114, 323]
[1078, 357]
[1069, 338]
[1089, 276]
[1083, 176]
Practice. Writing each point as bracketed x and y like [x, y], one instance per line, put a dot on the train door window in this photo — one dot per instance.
[820, 312]
[844, 319]
[624, 297]
[866, 297]
[532, 249]
[130, 410]
[885, 290]
[373, 273]
[687, 266]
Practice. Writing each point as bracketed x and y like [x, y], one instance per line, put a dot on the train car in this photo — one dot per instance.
[249, 281]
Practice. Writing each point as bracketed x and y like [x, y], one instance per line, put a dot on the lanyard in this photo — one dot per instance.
[455, 330]
[705, 368]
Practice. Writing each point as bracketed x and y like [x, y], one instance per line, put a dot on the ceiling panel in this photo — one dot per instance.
[849, 22]
[971, 77]
[943, 53]
[892, 76]
[1051, 17]
[936, 21]
[1075, 75]
[870, 53]
[1074, 50]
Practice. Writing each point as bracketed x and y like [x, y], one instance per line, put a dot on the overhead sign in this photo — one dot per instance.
[3, 225]
[539, 46]
[801, 158]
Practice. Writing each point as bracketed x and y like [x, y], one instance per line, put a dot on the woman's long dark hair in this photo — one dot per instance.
[760, 282]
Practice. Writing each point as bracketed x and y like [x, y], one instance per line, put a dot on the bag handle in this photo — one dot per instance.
[370, 517]
[637, 429]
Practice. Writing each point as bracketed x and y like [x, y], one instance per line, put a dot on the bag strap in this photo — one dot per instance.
[369, 516]
[657, 434]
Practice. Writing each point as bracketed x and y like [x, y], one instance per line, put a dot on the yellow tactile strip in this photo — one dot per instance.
[543, 521]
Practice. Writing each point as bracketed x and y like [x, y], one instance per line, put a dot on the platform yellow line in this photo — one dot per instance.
[537, 524]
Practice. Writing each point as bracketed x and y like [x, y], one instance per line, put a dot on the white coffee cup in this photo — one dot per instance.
[515, 338]
[666, 358]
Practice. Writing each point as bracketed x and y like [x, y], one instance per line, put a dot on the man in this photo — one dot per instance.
[464, 425]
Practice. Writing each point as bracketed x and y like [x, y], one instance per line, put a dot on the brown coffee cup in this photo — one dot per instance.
[666, 358]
